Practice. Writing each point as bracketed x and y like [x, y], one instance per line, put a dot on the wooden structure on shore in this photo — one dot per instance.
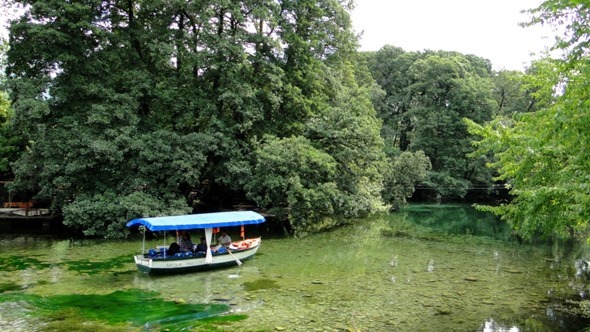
[23, 213]
[26, 218]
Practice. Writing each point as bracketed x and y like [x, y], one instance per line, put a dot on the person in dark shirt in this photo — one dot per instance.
[186, 244]
[173, 249]
[201, 246]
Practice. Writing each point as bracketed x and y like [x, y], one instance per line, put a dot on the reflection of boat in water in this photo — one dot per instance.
[158, 261]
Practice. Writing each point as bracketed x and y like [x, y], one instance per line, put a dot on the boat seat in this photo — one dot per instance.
[179, 254]
[152, 253]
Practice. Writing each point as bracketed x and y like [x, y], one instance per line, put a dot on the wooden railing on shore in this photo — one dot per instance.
[17, 205]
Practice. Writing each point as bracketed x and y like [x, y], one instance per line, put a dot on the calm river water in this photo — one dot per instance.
[427, 268]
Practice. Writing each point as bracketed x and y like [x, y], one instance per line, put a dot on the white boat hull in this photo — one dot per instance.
[173, 264]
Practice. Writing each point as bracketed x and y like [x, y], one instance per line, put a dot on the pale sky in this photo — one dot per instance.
[485, 28]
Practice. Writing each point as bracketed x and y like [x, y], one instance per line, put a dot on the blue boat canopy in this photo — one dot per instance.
[198, 221]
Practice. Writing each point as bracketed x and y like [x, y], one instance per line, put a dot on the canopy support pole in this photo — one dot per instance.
[208, 255]
[143, 246]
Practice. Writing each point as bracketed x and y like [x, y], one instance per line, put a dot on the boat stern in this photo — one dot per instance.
[143, 264]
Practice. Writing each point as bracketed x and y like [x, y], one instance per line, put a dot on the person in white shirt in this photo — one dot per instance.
[223, 241]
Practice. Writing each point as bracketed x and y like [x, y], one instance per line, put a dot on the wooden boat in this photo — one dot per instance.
[158, 261]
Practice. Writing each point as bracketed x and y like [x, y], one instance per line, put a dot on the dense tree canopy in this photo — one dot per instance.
[426, 96]
[511, 93]
[11, 143]
[127, 106]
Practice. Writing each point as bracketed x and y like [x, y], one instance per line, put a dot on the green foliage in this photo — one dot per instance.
[126, 107]
[408, 169]
[546, 167]
[336, 168]
[447, 89]
[426, 96]
[349, 131]
[11, 142]
[512, 93]
[105, 214]
[389, 67]
[289, 169]
[570, 18]
[542, 155]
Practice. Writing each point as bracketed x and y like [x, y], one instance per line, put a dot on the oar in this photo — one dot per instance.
[232, 255]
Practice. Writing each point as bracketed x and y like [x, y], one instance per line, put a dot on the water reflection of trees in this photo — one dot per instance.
[456, 219]
[568, 261]
[570, 297]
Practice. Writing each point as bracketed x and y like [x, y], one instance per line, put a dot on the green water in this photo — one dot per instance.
[428, 268]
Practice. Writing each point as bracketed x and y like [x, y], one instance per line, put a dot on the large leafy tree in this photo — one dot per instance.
[128, 105]
[294, 177]
[407, 169]
[446, 89]
[426, 96]
[543, 155]
[10, 142]
[542, 158]
[333, 153]
[85, 82]
[389, 67]
[9, 139]
[511, 93]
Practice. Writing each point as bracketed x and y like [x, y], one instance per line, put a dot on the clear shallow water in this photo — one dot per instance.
[428, 268]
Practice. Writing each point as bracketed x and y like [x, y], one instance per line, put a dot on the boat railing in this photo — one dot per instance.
[156, 254]
[161, 252]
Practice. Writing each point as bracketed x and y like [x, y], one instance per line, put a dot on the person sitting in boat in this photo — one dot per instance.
[201, 246]
[186, 244]
[173, 249]
[223, 241]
